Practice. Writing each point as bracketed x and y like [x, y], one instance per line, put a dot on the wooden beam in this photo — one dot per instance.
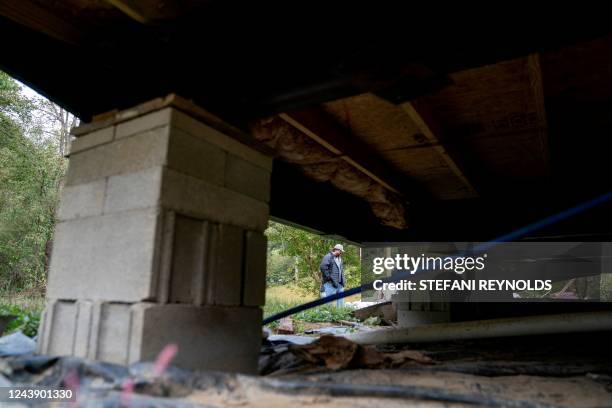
[425, 126]
[149, 11]
[325, 130]
[535, 79]
[32, 15]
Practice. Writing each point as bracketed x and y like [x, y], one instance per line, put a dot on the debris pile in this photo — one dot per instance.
[330, 353]
[335, 372]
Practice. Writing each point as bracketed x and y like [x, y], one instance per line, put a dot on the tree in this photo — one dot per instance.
[14, 107]
[306, 250]
[280, 269]
[30, 174]
[60, 122]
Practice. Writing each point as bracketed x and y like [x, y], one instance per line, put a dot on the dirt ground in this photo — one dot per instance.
[527, 372]
[536, 371]
[522, 390]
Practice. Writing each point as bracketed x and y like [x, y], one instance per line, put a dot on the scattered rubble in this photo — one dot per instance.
[330, 353]
[335, 372]
[285, 326]
[384, 310]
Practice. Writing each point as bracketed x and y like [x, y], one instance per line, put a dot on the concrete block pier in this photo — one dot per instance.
[159, 240]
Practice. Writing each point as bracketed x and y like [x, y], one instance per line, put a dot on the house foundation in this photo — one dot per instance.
[159, 241]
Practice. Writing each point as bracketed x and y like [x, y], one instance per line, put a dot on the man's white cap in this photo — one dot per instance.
[340, 247]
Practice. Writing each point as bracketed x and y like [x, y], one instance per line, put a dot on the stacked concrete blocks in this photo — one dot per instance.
[160, 240]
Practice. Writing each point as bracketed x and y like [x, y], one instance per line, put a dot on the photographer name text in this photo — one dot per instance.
[461, 285]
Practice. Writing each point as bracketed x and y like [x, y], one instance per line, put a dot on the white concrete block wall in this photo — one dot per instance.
[83, 200]
[63, 319]
[113, 332]
[130, 154]
[225, 266]
[199, 199]
[193, 156]
[211, 337]
[152, 120]
[254, 286]
[420, 308]
[82, 331]
[247, 178]
[108, 257]
[93, 139]
[196, 128]
[132, 191]
[155, 219]
[189, 254]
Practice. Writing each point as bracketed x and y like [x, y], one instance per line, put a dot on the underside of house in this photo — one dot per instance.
[371, 122]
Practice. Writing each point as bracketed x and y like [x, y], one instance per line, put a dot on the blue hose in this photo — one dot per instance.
[482, 247]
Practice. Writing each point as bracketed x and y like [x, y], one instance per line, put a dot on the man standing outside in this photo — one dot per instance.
[332, 273]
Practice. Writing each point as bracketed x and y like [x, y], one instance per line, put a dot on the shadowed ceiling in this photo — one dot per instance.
[402, 132]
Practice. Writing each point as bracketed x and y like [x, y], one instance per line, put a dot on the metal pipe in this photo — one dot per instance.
[481, 329]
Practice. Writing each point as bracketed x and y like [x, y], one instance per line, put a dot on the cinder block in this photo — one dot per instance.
[94, 329]
[186, 278]
[83, 200]
[246, 178]
[143, 123]
[43, 328]
[155, 216]
[225, 266]
[210, 338]
[113, 332]
[136, 190]
[197, 128]
[199, 199]
[254, 288]
[131, 154]
[410, 318]
[82, 328]
[63, 326]
[92, 139]
[196, 157]
[97, 330]
[109, 257]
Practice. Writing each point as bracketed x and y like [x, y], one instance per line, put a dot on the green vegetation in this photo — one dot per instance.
[295, 255]
[606, 287]
[326, 314]
[34, 134]
[30, 172]
[279, 298]
[26, 320]
[26, 307]
[293, 275]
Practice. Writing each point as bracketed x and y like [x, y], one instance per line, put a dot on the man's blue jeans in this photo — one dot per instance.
[328, 289]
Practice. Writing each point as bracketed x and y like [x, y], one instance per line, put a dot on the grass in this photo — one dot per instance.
[279, 298]
[288, 294]
[606, 287]
[28, 308]
[326, 314]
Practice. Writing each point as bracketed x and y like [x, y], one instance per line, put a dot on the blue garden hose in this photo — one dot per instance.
[570, 212]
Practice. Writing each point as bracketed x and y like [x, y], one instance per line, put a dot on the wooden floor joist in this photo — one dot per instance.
[426, 128]
[319, 126]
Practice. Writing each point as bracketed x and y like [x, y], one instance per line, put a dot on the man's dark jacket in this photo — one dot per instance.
[330, 271]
